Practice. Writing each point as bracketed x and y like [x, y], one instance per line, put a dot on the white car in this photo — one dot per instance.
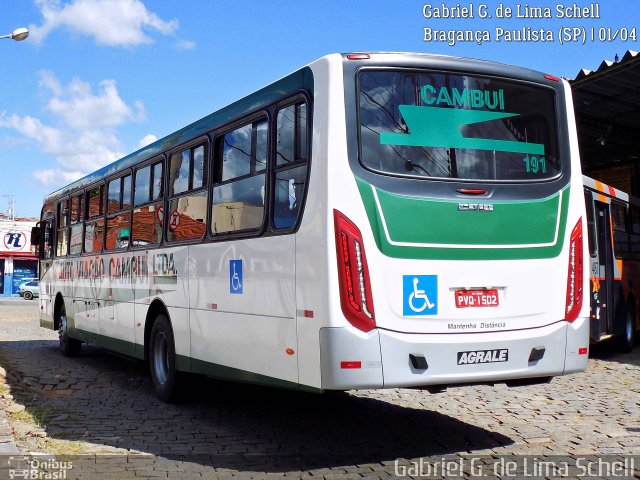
[29, 290]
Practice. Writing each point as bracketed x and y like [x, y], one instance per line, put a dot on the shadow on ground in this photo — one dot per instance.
[610, 351]
[103, 399]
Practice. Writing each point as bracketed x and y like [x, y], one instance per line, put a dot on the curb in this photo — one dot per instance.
[7, 440]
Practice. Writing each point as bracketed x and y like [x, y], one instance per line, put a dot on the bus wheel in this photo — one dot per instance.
[70, 347]
[162, 360]
[627, 340]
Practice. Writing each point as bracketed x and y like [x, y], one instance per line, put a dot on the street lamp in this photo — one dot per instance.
[18, 34]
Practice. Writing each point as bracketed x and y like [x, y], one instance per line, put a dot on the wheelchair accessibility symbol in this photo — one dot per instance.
[235, 276]
[420, 295]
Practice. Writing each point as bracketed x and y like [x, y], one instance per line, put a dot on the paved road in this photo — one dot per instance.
[103, 403]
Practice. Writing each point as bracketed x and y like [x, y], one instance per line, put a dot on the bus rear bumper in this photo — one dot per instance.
[386, 359]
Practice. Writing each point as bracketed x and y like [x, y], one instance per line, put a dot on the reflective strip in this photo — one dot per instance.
[600, 188]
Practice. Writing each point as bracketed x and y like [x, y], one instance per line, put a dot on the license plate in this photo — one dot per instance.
[476, 298]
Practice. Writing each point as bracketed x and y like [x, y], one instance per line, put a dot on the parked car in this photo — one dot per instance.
[29, 290]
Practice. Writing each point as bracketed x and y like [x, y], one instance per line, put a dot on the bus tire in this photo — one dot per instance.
[162, 360]
[70, 347]
[627, 340]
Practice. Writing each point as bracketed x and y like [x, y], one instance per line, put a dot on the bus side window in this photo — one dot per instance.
[146, 227]
[48, 240]
[126, 192]
[591, 224]
[62, 242]
[291, 164]
[94, 203]
[157, 181]
[634, 231]
[75, 239]
[141, 189]
[113, 195]
[187, 215]
[238, 198]
[620, 233]
[94, 224]
[118, 234]
[47, 230]
[118, 230]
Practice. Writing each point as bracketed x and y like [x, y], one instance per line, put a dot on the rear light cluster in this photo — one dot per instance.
[575, 275]
[353, 274]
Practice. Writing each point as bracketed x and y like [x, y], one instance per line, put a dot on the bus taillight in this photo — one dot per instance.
[574, 276]
[358, 56]
[353, 274]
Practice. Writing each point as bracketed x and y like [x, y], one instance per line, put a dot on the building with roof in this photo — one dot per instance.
[607, 108]
[18, 260]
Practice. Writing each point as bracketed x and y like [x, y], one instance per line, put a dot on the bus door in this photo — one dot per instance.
[46, 247]
[602, 306]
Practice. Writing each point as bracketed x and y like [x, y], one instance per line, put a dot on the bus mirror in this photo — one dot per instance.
[35, 236]
[42, 239]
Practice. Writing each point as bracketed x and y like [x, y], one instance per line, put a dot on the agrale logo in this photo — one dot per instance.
[483, 356]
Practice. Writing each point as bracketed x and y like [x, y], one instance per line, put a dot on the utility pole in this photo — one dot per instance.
[12, 202]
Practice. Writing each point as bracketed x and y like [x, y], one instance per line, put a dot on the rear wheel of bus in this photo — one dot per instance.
[162, 360]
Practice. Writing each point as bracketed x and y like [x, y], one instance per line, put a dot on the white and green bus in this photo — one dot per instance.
[368, 221]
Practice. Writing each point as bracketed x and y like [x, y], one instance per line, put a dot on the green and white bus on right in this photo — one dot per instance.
[371, 220]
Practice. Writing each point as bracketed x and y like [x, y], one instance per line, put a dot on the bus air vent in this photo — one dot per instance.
[418, 361]
[536, 354]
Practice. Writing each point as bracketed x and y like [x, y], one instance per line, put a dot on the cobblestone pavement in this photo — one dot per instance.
[101, 403]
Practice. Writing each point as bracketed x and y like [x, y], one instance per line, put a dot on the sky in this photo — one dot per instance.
[98, 79]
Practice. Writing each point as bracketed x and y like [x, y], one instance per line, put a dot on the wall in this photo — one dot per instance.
[17, 253]
[622, 177]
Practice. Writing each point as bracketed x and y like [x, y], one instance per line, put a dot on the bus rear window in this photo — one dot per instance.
[444, 125]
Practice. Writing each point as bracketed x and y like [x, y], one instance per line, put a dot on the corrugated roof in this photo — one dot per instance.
[607, 105]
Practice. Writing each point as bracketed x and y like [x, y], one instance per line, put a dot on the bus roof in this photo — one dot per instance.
[609, 191]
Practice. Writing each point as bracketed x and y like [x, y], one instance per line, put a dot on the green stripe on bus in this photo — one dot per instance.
[187, 364]
[442, 128]
[228, 373]
[423, 228]
[46, 323]
[110, 343]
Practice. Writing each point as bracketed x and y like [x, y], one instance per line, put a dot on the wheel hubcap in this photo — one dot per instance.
[161, 358]
[62, 331]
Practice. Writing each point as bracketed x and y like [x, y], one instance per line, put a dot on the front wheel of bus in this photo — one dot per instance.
[162, 360]
[70, 347]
